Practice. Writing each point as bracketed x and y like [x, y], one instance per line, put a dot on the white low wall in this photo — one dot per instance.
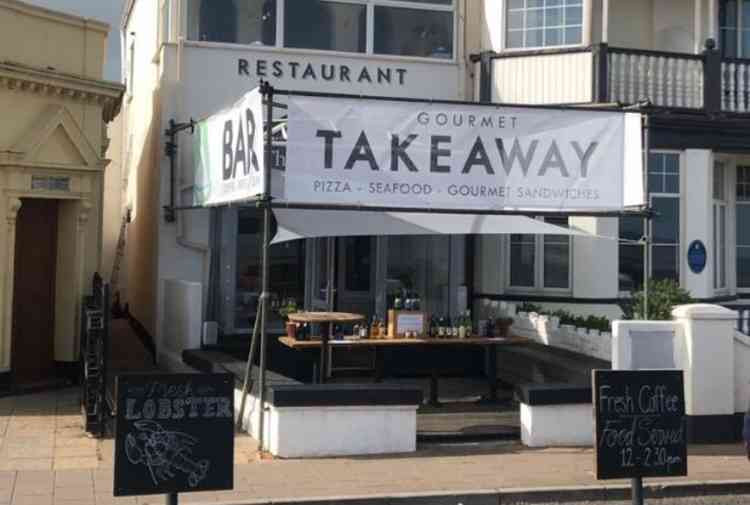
[548, 331]
[299, 432]
[570, 425]
[303, 432]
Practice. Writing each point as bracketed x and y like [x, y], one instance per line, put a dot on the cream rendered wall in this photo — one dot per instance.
[549, 79]
[142, 142]
[673, 25]
[113, 204]
[84, 40]
[637, 33]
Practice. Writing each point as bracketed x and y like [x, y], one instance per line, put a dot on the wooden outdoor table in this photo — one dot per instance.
[324, 318]
[490, 344]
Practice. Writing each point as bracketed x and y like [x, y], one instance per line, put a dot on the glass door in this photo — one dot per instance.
[322, 288]
[356, 275]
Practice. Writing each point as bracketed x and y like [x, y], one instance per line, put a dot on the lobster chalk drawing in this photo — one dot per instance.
[164, 453]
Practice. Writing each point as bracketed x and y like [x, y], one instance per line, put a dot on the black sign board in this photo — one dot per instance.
[174, 433]
[640, 423]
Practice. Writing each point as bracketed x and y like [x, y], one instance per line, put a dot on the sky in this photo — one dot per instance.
[108, 11]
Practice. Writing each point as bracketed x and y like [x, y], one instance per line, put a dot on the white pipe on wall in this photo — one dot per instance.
[698, 26]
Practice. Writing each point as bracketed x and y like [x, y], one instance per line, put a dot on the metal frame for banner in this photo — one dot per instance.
[266, 204]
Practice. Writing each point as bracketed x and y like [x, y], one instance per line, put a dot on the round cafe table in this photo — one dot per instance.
[324, 318]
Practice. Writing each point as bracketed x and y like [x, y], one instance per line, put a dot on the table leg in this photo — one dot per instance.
[491, 396]
[434, 396]
[378, 364]
[325, 335]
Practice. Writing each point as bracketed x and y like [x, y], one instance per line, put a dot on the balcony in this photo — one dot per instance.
[605, 74]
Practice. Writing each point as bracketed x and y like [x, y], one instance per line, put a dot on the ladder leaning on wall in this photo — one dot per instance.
[119, 253]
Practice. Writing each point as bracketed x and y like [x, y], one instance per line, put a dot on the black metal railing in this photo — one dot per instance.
[95, 318]
[704, 81]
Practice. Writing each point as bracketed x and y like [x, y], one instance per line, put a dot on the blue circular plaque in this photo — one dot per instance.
[696, 256]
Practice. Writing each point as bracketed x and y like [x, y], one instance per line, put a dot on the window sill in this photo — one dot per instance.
[316, 52]
[518, 52]
[562, 293]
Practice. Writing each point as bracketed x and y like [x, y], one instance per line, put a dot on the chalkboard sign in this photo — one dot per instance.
[174, 433]
[640, 423]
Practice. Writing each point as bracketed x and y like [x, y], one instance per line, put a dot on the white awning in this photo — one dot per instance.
[295, 224]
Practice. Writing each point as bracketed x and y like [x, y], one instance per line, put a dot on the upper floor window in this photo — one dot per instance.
[734, 27]
[423, 28]
[233, 21]
[318, 24]
[543, 23]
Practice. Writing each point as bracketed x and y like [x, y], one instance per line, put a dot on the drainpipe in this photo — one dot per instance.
[204, 249]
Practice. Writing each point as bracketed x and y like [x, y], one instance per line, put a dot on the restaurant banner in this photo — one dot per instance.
[368, 152]
[228, 153]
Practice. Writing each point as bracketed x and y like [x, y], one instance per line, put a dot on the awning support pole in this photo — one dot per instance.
[646, 220]
[267, 91]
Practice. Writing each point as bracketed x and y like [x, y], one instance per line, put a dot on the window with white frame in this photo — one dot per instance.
[720, 226]
[540, 261]
[734, 28]
[422, 28]
[232, 21]
[664, 196]
[743, 227]
[543, 23]
[164, 21]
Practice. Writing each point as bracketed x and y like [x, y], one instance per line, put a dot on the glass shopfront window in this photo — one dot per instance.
[232, 21]
[743, 227]
[320, 24]
[420, 265]
[720, 227]
[664, 195]
[422, 28]
[286, 270]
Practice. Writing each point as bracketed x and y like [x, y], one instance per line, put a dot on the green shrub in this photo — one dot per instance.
[663, 296]
[566, 317]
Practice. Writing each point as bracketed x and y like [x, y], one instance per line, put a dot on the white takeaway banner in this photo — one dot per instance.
[228, 153]
[368, 152]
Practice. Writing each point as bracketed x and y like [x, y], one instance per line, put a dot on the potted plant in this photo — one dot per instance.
[289, 308]
[502, 326]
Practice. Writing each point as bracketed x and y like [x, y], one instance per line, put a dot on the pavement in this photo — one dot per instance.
[47, 459]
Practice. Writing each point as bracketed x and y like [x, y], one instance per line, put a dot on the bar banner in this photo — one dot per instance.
[368, 152]
[228, 153]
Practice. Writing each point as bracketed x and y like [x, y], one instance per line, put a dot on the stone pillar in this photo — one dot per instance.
[6, 323]
[708, 358]
[697, 219]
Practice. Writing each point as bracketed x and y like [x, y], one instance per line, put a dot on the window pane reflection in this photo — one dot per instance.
[286, 271]
[317, 24]
[233, 21]
[420, 264]
[413, 32]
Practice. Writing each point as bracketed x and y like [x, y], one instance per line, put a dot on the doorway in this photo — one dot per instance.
[35, 268]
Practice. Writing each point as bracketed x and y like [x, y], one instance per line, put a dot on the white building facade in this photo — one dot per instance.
[684, 61]
[185, 59]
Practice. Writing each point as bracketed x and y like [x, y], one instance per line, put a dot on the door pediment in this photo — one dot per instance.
[56, 139]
